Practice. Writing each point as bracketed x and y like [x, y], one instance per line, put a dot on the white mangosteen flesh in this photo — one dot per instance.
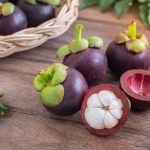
[103, 111]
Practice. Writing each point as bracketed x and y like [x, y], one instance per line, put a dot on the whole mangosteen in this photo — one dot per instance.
[136, 84]
[62, 89]
[12, 19]
[105, 109]
[86, 56]
[38, 11]
[129, 51]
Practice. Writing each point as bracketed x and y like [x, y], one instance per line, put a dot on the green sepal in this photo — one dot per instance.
[7, 9]
[55, 2]
[143, 38]
[3, 109]
[32, 2]
[95, 41]
[52, 95]
[38, 83]
[136, 46]
[121, 38]
[63, 51]
[77, 46]
[59, 73]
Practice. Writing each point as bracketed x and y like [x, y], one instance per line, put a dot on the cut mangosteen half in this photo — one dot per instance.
[104, 109]
[136, 84]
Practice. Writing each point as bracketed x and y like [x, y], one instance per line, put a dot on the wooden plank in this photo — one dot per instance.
[29, 126]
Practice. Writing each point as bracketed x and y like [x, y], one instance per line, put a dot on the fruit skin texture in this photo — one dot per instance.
[36, 14]
[92, 63]
[75, 88]
[121, 60]
[138, 102]
[126, 108]
[13, 23]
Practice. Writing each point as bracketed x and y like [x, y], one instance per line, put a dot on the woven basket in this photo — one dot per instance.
[33, 37]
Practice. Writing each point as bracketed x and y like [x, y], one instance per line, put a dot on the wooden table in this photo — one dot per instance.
[28, 126]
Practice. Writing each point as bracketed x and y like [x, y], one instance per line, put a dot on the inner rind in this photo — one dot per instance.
[140, 84]
[104, 110]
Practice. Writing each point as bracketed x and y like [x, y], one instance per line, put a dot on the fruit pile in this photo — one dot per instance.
[104, 108]
[17, 15]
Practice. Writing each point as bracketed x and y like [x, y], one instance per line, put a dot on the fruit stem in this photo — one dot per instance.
[132, 30]
[46, 76]
[78, 31]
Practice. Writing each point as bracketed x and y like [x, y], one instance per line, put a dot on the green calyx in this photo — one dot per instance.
[3, 109]
[134, 41]
[48, 83]
[31, 2]
[79, 44]
[49, 2]
[6, 9]
[95, 42]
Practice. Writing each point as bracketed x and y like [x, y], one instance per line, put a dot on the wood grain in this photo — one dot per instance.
[28, 126]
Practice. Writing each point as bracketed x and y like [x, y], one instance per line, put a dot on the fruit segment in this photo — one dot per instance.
[103, 110]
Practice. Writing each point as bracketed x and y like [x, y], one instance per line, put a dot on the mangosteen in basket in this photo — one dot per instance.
[129, 51]
[38, 11]
[62, 89]
[12, 19]
[105, 109]
[85, 55]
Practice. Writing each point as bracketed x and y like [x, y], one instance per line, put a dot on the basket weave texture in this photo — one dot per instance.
[33, 37]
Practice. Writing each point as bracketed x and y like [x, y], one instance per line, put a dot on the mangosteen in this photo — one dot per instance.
[136, 84]
[61, 89]
[105, 109]
[129, 51]
[38, 11]
[85, 55]
[12, 19]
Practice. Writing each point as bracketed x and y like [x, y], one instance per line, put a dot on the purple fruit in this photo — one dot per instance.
[92, 63]
[120, 59]
[37, 12]
[128, 51]
[86, 56]
[63, 91]
[12, 19]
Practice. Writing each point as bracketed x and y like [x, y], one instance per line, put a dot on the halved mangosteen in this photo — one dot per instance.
[136, 84]
[85, 55]
[62, 89]
[104, 109]
[38, 11]
[12, 19]
[128, 51]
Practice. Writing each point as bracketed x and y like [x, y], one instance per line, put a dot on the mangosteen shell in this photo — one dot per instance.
[92, 63]
[126, 108]
[138, 102]
[75, 87]
[120, 59]
[14, 22]
[38, 13]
